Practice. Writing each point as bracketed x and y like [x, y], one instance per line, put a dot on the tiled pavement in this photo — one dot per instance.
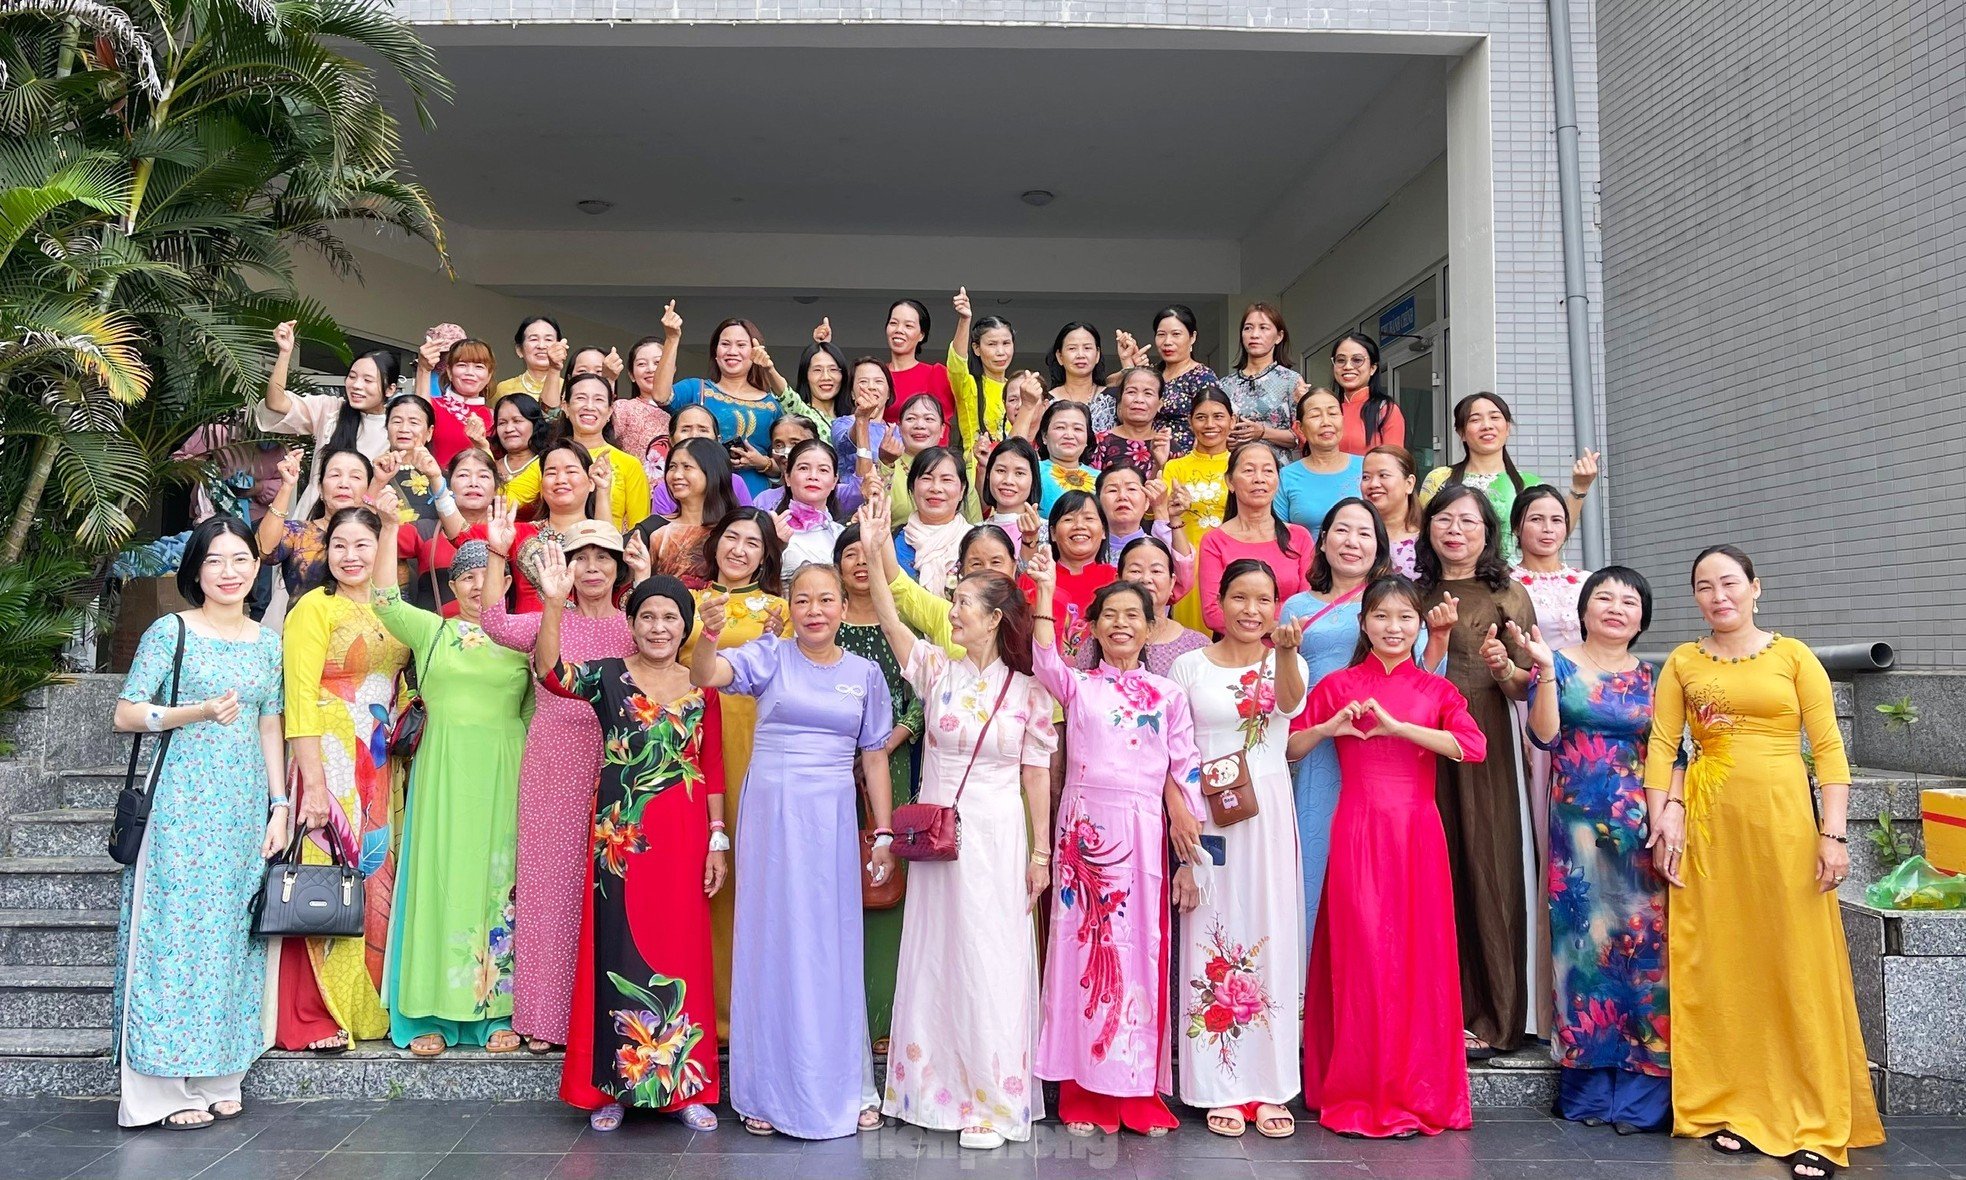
[51, 1138]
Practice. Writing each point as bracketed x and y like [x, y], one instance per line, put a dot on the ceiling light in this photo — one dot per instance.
[1037, 198]
[593, 206]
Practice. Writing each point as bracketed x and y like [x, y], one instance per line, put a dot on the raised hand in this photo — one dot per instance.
[984, 445]
[501, 527]
[1532, 644]
[782, 521]
[1042, 571]
[775, 619]
[1583, 473]
[474, 429]
[289, 467]
[876, 518]
[1178, 503]
[1344, 723]
[430, 355]
[424, 462]
[283, 336]
[961, 302]
[1286, 636]
[1382, 722]
[223, 709]
[1163, 441]
[1495, 654]
[389, 505]
[635, 555]
[1129, 350]
[1444, 615]
[759, 357]
[713, 609]
[602, 473]
[892, 447]
[1028, 523]
[672, 323]
[1013, 396]
[822, 334]
[557, 352]
[555, 577]
[1244, 430]
[612, 365]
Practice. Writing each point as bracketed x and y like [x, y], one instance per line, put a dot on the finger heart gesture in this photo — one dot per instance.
[713, 609]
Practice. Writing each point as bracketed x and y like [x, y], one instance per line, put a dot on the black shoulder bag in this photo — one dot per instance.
[132, 816]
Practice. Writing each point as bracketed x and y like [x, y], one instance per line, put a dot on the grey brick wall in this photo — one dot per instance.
[1532, 364]
[1785, 252]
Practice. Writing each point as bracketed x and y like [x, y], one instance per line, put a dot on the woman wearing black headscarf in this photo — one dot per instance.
[643, 1029]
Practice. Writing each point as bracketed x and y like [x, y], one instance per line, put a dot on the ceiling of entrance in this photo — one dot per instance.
[1142, 143]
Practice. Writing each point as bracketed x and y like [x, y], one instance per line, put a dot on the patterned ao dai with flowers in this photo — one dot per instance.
[1243, 949]
[643, 1028]
[1607, 904]
[1105, 984]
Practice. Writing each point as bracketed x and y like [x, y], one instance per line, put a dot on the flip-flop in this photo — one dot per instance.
[200, 1125]
[759, 1127]
[513, 1044]
[238, 1108]
[425, 1050]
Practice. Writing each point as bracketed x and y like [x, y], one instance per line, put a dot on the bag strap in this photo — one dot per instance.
[164, 739]
[1008, 675]
[1334, 604]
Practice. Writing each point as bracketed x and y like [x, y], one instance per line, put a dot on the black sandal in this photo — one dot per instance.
[1809, 1159]
[1741, 1146]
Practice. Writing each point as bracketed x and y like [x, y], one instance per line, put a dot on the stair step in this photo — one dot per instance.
[54, 1042]
[57, 938]
[55, 997]
[1872, 791]
[66, 831]
[95, 787]
[60, 883]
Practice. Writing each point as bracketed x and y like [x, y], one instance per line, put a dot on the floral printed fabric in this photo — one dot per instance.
[643, 1026]
[189, 976]
[1607, 905]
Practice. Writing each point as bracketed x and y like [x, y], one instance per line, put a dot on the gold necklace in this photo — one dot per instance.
[237, 634]
[526, 383]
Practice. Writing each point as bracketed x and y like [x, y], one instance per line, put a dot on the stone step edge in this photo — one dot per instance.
[74, 865]
[66, 815]
[68, 979]
[58, 919]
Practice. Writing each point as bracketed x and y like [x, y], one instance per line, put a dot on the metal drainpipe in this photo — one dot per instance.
[1576, 301]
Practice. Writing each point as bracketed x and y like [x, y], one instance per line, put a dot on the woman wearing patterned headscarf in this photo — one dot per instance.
[460, 822]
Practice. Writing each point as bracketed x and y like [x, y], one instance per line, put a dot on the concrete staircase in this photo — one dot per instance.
[59, 899]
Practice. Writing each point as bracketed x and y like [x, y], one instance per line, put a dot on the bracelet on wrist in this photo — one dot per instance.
[1041, 858]
[1835, 837]
[1672, 799]
[717, 825]
[883, 831]
[1045, 618]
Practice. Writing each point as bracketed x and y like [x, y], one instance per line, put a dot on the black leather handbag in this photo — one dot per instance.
[309, 901]
[132, 818]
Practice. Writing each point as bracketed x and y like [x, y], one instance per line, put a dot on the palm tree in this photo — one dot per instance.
[159, 162]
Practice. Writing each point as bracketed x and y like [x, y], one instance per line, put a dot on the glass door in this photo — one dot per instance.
[1418, 387]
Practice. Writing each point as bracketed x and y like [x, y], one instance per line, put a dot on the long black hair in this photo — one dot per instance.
[1378, 403]
[1382, 558]
[1390, 586]
[1462, 410]
[1229, 512]
[1490, 570]
[1055, 372]
[988, 323]
[771, 558]
[1016, 448]
[804, 382]
[714, 462]
[348, 420]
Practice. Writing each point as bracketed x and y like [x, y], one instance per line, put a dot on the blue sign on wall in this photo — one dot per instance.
[1398, 319]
